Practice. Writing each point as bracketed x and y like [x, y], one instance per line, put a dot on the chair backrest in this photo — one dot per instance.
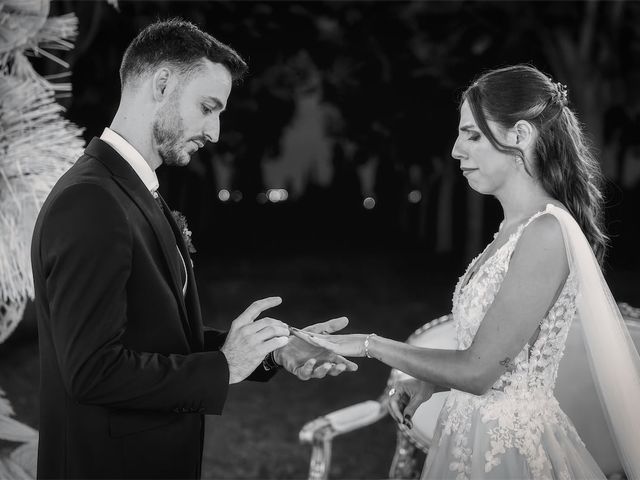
[439, 333]
[575, 391]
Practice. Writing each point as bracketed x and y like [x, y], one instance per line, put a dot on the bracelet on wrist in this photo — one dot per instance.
[366, 344]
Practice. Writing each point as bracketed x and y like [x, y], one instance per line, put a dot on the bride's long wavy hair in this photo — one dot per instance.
[563, 161]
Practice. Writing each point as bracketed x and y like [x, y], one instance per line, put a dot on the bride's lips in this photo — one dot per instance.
[466, 170]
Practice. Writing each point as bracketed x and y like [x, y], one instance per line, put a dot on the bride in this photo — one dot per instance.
[519, 141]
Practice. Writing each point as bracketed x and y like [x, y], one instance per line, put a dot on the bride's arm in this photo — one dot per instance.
[536, 274]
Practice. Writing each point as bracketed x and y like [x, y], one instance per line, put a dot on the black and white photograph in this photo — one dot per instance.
[339, 239]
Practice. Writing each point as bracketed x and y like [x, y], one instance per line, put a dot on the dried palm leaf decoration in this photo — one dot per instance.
[37, 144]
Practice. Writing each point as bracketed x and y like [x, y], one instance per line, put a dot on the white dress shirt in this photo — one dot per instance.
[133, 158]
[142, 169]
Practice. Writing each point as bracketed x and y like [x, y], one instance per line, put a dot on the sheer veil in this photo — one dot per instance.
[612, 356]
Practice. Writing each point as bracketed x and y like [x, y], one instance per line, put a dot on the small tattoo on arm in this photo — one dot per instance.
[507, 364]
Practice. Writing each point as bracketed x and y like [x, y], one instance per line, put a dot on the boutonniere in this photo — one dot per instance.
[181, 221]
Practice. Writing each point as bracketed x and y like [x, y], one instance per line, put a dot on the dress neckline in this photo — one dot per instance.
[473, 272]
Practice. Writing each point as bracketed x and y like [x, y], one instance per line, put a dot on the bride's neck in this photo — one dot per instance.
[520, 203]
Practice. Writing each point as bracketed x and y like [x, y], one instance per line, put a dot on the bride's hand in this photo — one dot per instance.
[345, 345]
[405, 398]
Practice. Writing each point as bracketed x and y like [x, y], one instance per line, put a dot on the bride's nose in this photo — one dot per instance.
[456, 151]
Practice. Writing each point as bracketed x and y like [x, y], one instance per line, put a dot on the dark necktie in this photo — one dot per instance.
[156, 197]
[183, 267]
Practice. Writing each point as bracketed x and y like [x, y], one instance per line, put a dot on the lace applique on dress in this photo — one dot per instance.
[521, 404]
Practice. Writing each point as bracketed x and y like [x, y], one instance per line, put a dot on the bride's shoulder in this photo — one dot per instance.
[542, 242]
[545, 227]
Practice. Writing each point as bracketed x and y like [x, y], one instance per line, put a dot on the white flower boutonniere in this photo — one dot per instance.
[181, 221]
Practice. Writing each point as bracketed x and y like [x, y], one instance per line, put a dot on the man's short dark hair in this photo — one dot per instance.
[180, 44]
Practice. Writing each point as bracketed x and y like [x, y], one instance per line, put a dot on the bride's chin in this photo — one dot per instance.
[479, 188]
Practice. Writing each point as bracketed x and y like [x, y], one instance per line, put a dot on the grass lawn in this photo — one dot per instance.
[257, 436]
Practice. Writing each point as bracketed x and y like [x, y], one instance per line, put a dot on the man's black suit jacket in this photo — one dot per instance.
[127, 369]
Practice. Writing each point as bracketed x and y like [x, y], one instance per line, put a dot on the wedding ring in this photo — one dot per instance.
[392, 392]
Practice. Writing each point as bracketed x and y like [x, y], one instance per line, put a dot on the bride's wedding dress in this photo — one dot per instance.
[516, 430]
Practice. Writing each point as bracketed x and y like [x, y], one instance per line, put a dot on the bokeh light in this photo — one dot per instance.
[415, 196]
[224, 195]
[369, 203]
[276, 195]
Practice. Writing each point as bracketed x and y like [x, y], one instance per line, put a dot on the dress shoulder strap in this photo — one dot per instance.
[515, 236]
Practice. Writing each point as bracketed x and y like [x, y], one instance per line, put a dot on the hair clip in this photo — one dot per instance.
[561, 94]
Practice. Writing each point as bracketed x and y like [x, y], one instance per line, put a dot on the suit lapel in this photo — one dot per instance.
[195, 317]
[129, 181]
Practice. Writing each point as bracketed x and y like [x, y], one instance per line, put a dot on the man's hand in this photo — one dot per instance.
[249, 341]
[406, 397]
[306, 361]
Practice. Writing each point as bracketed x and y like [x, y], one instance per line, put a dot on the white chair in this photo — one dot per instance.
[574, 389]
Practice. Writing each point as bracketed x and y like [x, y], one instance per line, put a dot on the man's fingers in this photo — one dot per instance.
[255, 309]
[267, 328]
[337, 369]
[322, 370]
[329, 326]
[270, 332]
[273, 344]
[304, 372]
[349, 365]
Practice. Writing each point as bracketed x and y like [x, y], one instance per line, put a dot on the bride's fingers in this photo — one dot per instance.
[411, 408]
[395, 408]
[319, 341]
[329, 326]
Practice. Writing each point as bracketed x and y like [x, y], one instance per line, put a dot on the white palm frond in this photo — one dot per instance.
[21, 462]
[5, 406]
[10, 470]
[26, 456]
[55, 35]
[14, 431]
[20, 20]
[37, 145]
[10, 316]
[11, 429]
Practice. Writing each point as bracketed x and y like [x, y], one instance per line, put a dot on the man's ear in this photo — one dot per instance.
[524, 134]
[160, 83]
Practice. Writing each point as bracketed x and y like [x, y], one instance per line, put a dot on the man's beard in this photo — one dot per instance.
[168, 133]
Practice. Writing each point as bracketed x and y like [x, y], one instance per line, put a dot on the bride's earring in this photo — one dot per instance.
[519, 161]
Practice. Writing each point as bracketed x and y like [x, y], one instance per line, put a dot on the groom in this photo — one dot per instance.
[127, 369]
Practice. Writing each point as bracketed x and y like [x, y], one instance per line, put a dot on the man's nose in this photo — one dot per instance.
[212, 131]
